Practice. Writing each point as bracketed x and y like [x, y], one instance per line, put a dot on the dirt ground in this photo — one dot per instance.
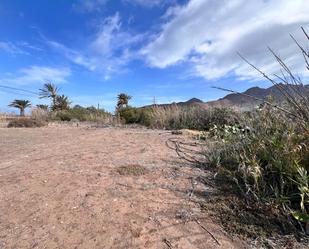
[70, 188]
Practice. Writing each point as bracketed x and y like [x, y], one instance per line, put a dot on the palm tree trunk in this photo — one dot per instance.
[54, 103]
[22, 112]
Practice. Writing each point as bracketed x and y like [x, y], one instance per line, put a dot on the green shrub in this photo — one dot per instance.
[81, 114]
[63, 116]
[132, 115]
[129, 115]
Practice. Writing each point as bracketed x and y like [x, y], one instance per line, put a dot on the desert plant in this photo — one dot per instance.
[21, 105]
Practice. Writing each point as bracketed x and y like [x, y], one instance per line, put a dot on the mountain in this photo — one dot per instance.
[255, 95]
[191, 102]
[250, 98]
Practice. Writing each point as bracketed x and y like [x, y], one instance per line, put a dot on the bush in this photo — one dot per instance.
[26, 122]
[81, 114]
[132, 115]
[129, 115]
[269, 161]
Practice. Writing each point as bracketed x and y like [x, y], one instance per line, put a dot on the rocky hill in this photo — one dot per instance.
[246, 100]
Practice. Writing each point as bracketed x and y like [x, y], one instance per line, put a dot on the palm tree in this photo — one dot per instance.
[21, 105]
[123, 100]
[49, 90]
[61, 103]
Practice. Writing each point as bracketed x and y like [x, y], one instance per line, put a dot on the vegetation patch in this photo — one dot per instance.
[261, 225]
[26, 123]
[132, 170]
[176, 117]
[79, 113]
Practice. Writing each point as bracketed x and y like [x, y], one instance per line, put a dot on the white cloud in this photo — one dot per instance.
[37, 75]
[11, 48]
[207, 34]
[110, 37]
[109, 50]
[89, 5]
[149, 3]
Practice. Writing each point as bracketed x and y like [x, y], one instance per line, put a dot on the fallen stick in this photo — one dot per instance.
[214, 238]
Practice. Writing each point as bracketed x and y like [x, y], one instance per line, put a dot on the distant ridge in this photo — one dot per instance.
[246, 102]
[240, 100]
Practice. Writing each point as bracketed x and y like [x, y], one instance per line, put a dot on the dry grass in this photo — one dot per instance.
[132, 170]
[193, 117]
[26, 123]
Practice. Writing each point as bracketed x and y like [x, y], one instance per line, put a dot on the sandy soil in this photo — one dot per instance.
[60, 188]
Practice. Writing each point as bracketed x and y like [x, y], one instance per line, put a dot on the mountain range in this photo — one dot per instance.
[251, 97]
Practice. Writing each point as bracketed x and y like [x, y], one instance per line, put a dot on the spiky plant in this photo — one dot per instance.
[21, 105]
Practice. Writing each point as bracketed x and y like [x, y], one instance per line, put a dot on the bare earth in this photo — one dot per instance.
[61, 188]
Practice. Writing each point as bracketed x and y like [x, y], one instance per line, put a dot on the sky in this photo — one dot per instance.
[170, 50]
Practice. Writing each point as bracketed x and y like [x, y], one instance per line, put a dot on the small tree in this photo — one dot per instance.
[21, 105]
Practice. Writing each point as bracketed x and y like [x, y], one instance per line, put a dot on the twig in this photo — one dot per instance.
[214, 238]
[167, 242]
[183, 152]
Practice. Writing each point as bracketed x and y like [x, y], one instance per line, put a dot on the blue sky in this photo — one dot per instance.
[171, 50]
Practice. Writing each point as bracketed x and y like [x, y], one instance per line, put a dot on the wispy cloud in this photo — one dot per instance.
[37, 75]
[12, 49]
[208, 34]
[89, 5]
[149, 3]
[108, 52]
[29, 46]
